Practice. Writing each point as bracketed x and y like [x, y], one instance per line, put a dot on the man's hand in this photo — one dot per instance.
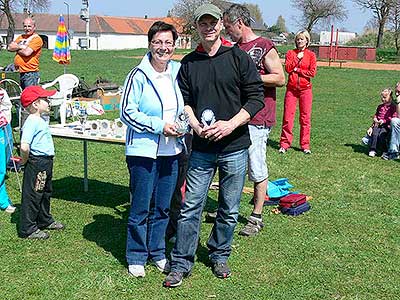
[369, 131]
[218, 130]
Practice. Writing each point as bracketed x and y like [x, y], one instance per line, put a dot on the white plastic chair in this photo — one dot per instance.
[66, 83]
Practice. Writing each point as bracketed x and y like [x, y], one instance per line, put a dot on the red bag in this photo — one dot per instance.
[292, 200]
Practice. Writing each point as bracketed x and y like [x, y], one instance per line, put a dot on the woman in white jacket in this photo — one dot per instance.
[150, 105]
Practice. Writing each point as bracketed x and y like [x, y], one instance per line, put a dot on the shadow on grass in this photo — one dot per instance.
[273, 144]
[100, 193]
[109, 233]
[358, 148]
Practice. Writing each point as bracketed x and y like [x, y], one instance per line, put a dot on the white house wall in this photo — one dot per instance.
[106, 41]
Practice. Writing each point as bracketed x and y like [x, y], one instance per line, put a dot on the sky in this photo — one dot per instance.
[270, 9]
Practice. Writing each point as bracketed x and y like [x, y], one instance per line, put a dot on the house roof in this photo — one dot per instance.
[98, 24]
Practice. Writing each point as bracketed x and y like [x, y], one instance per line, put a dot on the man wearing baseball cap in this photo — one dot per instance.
[222, 90]
[37, 151]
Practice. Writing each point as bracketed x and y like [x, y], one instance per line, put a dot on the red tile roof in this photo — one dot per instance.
[98, 24]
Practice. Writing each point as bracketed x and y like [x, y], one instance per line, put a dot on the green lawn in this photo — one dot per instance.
[346, 247]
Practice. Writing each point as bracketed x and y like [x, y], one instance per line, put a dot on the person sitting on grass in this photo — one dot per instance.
[393, 151]
[381, 125]
[37, 151]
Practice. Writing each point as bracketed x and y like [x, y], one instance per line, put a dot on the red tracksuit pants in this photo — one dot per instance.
[305, 104]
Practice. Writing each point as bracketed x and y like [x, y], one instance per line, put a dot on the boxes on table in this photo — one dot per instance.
[110, 101]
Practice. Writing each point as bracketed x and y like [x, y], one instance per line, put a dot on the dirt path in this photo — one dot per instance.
[361, 65]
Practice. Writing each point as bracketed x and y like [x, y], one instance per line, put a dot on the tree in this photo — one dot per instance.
[281, 24]
[394, 21]
[380, 9]
[255, 12]
[184, 9]
[314, 11]
[7, 7]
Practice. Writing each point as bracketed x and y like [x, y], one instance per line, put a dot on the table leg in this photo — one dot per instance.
[85, 167]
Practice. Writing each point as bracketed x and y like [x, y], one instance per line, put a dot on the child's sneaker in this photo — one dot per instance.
[282, 150]
[55, 226]
[38, 235]
[372, 154]
[136, 270]
[10, 209]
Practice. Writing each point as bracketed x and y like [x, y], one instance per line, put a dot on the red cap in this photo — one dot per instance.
[34, 92]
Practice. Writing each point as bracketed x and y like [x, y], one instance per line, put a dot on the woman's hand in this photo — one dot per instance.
[170, 130]
[300, 55]
[369, 131]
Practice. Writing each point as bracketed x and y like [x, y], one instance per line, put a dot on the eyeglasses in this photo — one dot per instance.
[159, 43]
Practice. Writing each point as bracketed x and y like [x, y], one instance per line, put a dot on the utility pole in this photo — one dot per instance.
[84, 15]
[27, 7]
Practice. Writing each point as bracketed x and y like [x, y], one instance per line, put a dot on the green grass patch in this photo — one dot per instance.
[346, 247]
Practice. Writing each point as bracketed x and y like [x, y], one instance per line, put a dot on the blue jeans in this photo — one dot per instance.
[202, 166]
[4, 199]
[29, 78]
[152, 182]
[395, 137]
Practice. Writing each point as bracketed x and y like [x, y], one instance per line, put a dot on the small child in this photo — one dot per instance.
[381, 125]
[5, 149]
[37, 151]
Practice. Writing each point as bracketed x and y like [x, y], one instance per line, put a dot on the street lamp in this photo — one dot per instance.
[67, 5]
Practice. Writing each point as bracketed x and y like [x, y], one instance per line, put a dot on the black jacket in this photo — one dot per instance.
[224, 83]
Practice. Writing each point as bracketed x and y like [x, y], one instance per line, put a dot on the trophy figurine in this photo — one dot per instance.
[82, 117]
[207, 117]
[182, 123]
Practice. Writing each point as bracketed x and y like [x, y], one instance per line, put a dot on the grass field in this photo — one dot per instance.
[347, 247]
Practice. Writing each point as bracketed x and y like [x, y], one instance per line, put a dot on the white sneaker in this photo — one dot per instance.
[136, 270]
[10, 209]
[307, 151]
[282, 150]
[371, 153]
[163, 265]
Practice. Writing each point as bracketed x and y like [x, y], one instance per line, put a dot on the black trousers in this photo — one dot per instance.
[379, 138]
[36, 193]
[177, 200]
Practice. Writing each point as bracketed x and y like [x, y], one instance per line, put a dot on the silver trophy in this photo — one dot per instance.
[182, 123]
[82, 117]
[207, 117]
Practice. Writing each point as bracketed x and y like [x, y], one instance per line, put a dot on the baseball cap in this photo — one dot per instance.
[34, 92]
[207, 9]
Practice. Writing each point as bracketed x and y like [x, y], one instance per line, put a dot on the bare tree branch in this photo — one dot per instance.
[380, 9]
[315, 11]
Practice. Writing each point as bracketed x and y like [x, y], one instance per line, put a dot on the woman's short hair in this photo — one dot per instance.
[161, 26]
[305, 34]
